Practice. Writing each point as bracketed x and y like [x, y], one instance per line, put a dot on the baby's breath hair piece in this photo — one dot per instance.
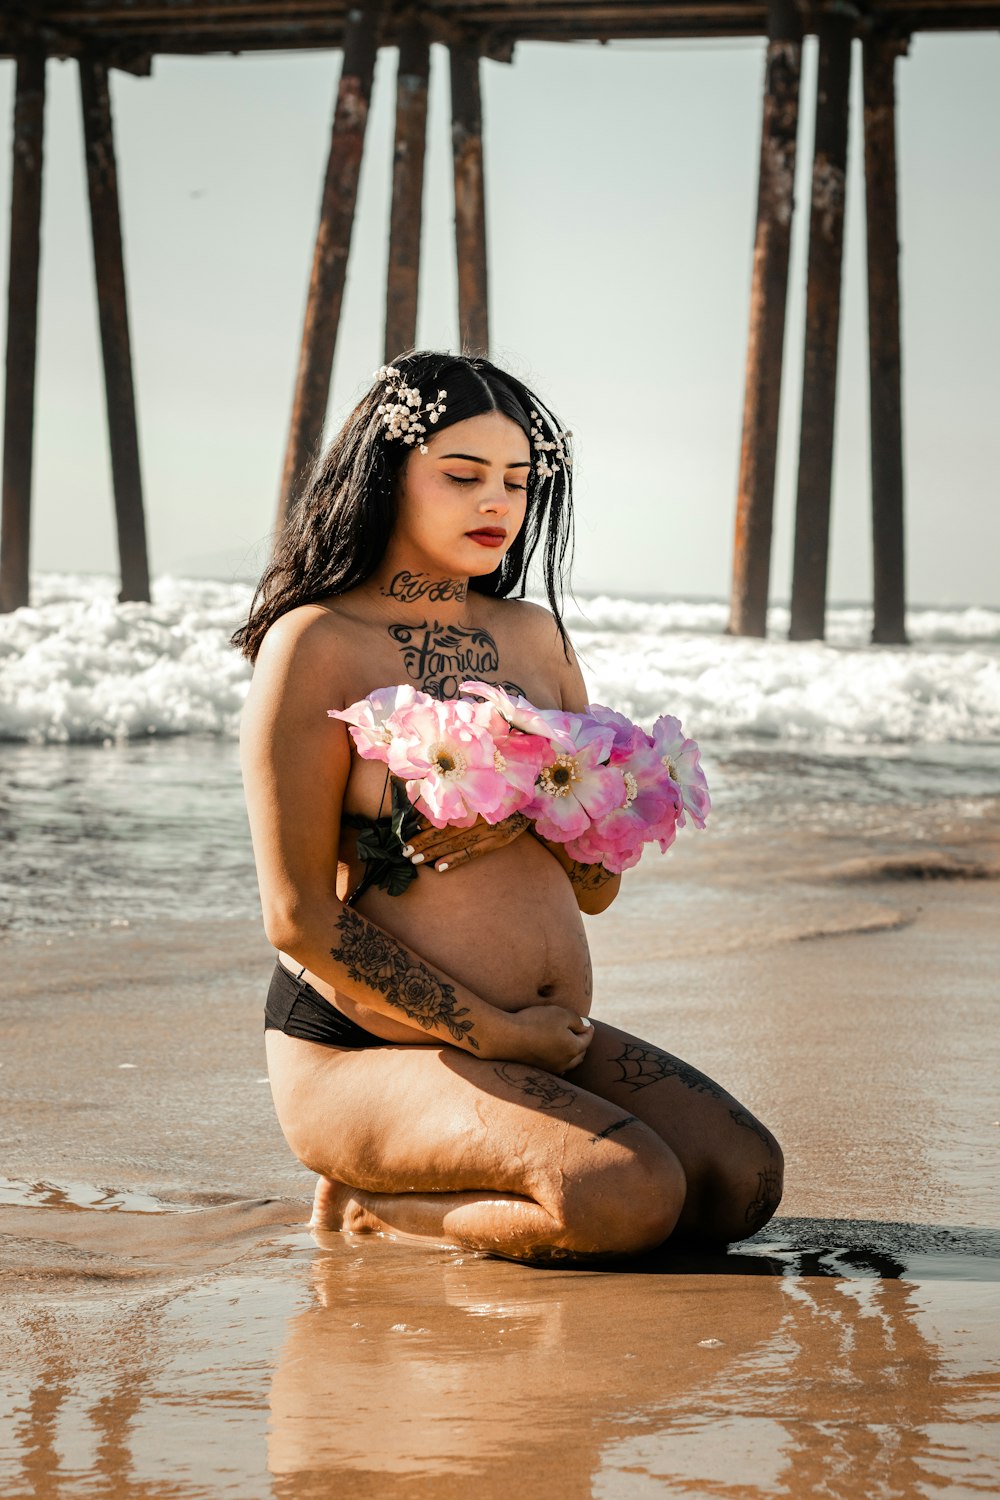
[402, 416]
[542, 445]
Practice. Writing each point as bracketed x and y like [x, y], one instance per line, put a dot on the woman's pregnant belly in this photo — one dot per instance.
[505, 925]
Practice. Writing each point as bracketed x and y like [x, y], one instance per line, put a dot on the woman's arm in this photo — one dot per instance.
[296, 763]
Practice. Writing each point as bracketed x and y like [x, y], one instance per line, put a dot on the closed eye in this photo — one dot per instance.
[461, 478]
[521, 488]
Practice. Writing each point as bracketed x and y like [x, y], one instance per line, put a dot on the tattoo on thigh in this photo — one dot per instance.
[549, 1092]
[375, 959]
[602, 1135]
[741, 1116]
[641, 1066]
[768, 1197]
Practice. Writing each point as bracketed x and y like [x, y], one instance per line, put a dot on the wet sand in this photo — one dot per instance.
[169, 1328]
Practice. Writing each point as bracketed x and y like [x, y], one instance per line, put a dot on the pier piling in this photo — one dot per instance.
[835, 27]
[885, 384]
[768, 299]
[407, 190]
[333, 244]
[22, 328]
[112, 307]
[470, 198]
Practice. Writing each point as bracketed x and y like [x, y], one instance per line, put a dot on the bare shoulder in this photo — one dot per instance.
[538, 633]
[533, 624]
[304, 656]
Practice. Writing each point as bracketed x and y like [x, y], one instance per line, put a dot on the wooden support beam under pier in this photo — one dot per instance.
[885, 383]
[333, 244]
[835, 26]
[407, 190]
[470, 198]
[112, 306]
[768, 299]
[22, 328]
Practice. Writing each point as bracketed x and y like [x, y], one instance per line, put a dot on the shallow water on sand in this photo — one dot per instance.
[834, 1360]
[112, 835]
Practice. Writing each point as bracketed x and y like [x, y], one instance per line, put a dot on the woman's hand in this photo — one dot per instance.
[550, 1036]
[445, 848]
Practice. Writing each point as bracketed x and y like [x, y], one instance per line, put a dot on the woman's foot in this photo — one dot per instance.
[332, 1205]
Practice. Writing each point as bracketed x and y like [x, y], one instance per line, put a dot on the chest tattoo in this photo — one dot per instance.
[409, 587]
[441, 657]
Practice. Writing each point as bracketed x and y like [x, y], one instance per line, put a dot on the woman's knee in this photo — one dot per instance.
[626, 1199]
[737, 1196]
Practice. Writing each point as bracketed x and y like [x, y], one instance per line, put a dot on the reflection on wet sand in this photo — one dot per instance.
[431, 1371]
[805, 1364]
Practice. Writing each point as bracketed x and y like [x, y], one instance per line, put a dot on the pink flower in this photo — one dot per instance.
[449, 761]
[649, 809]
[550, 723]
[519, 759]
[625, 731]
[578, 785]
[368, 718]
[681, 759]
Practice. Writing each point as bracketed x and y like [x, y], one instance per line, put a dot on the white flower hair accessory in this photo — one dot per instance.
[402, 416]
[556, 445]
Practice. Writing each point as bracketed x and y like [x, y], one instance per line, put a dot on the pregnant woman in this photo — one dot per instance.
[431, 1052]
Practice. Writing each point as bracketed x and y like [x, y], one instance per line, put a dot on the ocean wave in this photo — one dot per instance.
[79, 667]
[847, 624]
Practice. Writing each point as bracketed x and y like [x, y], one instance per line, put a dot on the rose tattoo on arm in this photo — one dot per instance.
[373, 958]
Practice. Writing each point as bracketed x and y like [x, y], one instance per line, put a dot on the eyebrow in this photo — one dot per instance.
[473, 459]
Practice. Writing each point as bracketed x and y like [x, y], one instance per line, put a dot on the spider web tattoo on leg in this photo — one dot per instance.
[641, 1066]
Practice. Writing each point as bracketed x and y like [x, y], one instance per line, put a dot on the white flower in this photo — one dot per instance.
[402, 416]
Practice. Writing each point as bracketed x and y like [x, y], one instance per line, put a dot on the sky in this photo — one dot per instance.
[621, 194]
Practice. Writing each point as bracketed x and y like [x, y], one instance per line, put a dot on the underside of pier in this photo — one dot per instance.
[101, 35]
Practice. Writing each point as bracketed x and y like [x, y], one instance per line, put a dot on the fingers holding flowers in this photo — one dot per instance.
[443, 849]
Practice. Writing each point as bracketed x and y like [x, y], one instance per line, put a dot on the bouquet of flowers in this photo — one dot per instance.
[593, 781]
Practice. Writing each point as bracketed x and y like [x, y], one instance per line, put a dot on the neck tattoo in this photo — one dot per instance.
[410, 587]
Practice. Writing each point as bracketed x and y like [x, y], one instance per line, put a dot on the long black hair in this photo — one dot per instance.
[337, 530]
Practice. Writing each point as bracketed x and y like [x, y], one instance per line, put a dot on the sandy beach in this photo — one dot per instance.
[169, 1328]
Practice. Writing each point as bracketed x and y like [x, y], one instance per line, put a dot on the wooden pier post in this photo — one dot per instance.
[403, 277]
[768, 297]
[109, 270]
[470, 198]
[22, 328]
[333, 244]
[885, 393]
[835, 27]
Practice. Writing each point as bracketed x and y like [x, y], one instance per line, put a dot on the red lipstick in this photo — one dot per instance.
[488, 536]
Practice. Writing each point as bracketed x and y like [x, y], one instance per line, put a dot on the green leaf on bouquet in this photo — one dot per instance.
[385, 863]
[380, 845]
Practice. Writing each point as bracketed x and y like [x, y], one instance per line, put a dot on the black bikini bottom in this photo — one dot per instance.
[294, 1007]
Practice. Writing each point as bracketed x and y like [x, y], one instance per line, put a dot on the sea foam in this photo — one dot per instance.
[79, 667]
